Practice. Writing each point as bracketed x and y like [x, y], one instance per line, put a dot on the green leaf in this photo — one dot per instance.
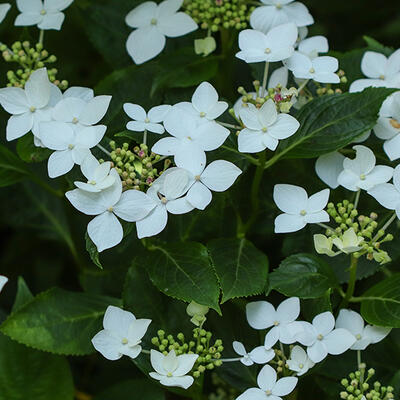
[93, 252]
[24, 295]
[380, 305]
[123, 390]
[12, 169]
[242, 269]
[312, 307]
[303, 275]
[58, 321]
[374, 45]
[30, 374]
[332, 122]
[29, 153]
[183, 271]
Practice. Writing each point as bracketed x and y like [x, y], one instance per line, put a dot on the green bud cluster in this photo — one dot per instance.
[136, 166]
[223, 391]
[357, 386]
[346, 217]
[327, 89]
[213, 15]
[201, 343]
[29, 59]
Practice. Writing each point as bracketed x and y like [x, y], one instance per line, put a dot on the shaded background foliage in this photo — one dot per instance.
[42, 237]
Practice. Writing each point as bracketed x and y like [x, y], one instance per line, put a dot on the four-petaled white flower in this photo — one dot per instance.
[172, 370]
[190, 139]
[262, 315]
[320, 69]
[269, 387]
[166, 194]
[313, 46]
[122, 334]
[218, 176]
[388, 194]
[361, 172]
[328, 168]
[278, 12]
[3, 281]
[380, 70]
[46, 14]
[388, 126]
[154, 23]
[71, 146]
[299, 209]
[98, 175]
[364, 335]
[205, 105]
[299, 361]
[105, 230]
[259, 355]
[321, 337]
[276, 45]
[143, 121]
[349, 242]
[28, 106]
[4, 8]
[264, 127]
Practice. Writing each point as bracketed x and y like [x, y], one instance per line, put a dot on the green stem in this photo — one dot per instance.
[145, 136]
[41, 37]
[352, 282]
[265, 78]
[104, 150]
[302, 86]
[356, 201]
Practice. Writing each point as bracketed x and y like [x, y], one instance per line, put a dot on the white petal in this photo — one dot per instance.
[156, 359]
[58, 5]
[314, 45]
[373, 64]
[285, 126]
[254, 394]
[252, 46]
[210, 135]
[135, 111]
[141, 15]
[220, 175]
[118, 320]
[56, 135]
[250, 141]
[179, 123]
[169, 7]
[28, 19]
[363, 163]
[186, 363]
[68, 109]
[266, 379]
[318, 201]
[14, 100]
[272, 337]
[285, 223]
[279, 77]
[166, 146]
[280, 40]
[339, 341]
[133, 206]
[89, 137]
[326, 77]
[52, 21]
[384, 129]
[393, 64]
[60, 163]
[105, 231]
[350, 320]
[260, 315]
[316, 217]
[107, 344]
[249, 117]
[190, 155]
[205, 97]
[183, 382]
[158, 114]
[38, 88]
[324, 323]
[82, 93]
[288, 310]
[349, 180]
[266, 17]
[380, 174]
[328, 167]
[95, 110]
[298, 13]
[290, 198]
[19, 125]
[317, 352]
[4, 8]
[392, 148]
[175, 184]
[360, 84]
[239, 348]
[3, 281]
[137, 329]
[325, 64]
[199, 196]
[179, 206]
[29, 5]
[145, 43]
[268, 114]
[153, 224]
[376, 333]
[261, 355]
[284, 386]
[176, 25]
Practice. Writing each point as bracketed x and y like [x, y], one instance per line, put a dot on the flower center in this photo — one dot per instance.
[303, 212]
[362, 177]
[164, 200]
[43, 12]
[71, 146]
[278, 6]
[189, 138]
[268, 392]
[202, 114]
[395, 123]
[75, 120]
[312, 71]
[197, 177]
[276, 323]
[358, 337]
[92, 182]
[153, 21]
[382, 77]
[124, 341]
[32, 109]
[267, 50]
[169, 374]
[301, 366]
[110, 209]
[147, 120]
[320, 337]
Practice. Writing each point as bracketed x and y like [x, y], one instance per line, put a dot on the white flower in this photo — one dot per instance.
[328, 168]
[388, 194]
[172, 370]
[321, 338]
[349, 242]
[218, 176]
[361, 172]
[299, 361]
[260, 355]
[269, 388]
[276, 45]
[45, 14]
[27, 106]
[122, 334]
[264, 127]
[388, 126]
[143, 121]
[205, 105]
[299, 210]
[278, 12]
[166, 195]
[97, 175]
[364, 335]
[262, 315]
[190, 140]
[71, 146]
[4, 8]
[3, 281]
[311, 47]
[382, 71]
[105, 230]
[323, 245]
[320, 69]
[154, 23]
[198, 313]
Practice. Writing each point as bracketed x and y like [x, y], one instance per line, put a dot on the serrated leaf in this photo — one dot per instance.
[183, 271]
[380, 305]
[24, 295]
[30, 374]
[59, 321]
[303, 275]
[332, 122]
[242, 269]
